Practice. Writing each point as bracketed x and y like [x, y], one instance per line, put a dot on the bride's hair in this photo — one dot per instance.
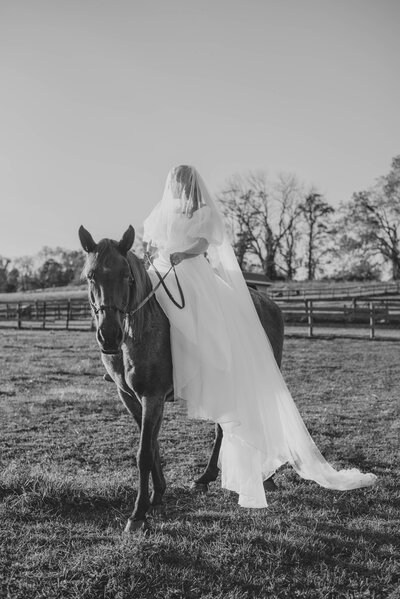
[184, 184]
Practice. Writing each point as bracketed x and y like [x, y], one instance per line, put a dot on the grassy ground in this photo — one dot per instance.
[68, 476]
[58, 293]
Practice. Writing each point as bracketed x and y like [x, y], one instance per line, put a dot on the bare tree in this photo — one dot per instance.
[378, 224]
[348, 260]
[262, 219]
[374, 219]
[238, 210]
[288, 194]
[315, 211]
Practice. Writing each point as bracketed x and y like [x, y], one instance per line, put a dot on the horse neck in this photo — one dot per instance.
[142, 287]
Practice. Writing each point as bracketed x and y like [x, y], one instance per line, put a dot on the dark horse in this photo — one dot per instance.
[133, 334]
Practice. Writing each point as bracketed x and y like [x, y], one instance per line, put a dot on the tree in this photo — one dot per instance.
[262, 219]
[12, 280]
[315, 211]
[27, 274]
[52, 274]
[235, 202]
[4, 263]
[374, 218]
[288, 194]
[71, 261]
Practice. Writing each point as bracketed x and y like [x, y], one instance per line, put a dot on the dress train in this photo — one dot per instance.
[225, 369]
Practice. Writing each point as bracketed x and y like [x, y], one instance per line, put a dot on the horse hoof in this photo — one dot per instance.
[133, 526]
[269, 485]
[199, 487]
[157, 511]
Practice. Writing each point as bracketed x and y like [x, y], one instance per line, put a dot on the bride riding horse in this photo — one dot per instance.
[133, 333]
[220, 351]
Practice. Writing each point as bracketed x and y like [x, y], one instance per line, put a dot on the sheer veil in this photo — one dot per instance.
[186, 199]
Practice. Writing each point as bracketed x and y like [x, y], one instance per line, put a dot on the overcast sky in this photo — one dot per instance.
[100, 98]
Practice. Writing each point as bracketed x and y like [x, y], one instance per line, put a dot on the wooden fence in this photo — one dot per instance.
[75, 314]
[312, 313]
[50, 314]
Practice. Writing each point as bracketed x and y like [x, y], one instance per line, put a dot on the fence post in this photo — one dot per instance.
[68, 314]
[19, 315]
[309, 312]
[44, 315]
[371, 320]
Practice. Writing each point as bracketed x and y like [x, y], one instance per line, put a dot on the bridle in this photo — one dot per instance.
[128, 313]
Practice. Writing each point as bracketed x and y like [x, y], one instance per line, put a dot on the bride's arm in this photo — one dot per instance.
[198, 247]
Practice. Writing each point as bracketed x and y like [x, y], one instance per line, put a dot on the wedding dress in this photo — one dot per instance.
[223, 363]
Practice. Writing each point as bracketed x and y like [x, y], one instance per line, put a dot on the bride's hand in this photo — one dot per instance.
[176, 258]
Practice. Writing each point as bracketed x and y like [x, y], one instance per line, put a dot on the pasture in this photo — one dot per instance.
[68, 478]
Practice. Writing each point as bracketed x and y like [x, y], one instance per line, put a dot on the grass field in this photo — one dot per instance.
[68, 476]
[58, 293]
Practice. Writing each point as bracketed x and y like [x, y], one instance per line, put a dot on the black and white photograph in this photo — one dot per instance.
[199, 299]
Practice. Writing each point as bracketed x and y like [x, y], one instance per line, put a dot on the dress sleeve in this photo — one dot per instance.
[206, 224]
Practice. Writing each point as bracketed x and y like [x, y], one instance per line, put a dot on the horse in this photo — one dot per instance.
[133, 334]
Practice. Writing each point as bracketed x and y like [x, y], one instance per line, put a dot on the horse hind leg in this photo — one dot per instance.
[211, 472]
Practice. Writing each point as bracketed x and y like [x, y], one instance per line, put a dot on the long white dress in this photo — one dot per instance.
[224, 367]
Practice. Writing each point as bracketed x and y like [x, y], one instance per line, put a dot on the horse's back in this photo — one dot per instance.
[272, 321]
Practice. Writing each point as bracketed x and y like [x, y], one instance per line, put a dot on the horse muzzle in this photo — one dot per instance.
[110, 339]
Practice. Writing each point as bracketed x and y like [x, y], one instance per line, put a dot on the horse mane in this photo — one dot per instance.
[143, 286]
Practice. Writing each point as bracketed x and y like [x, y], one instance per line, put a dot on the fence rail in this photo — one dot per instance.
[336, 291]
[49, 314]
[75, 314]
[312, 313]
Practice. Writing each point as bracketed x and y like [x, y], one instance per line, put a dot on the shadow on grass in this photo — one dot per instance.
[206, 546]
[28, 495]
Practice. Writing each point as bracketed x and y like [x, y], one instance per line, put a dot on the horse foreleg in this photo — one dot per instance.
[157, 506]
[157, 474]
[152, 410]
[133, 406]
[210, 474]
[159, 485]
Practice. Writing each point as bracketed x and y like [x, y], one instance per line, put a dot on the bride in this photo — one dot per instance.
[223, 364]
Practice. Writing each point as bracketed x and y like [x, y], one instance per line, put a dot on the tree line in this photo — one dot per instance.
[287, 231]
[280, 228]
[51, 267]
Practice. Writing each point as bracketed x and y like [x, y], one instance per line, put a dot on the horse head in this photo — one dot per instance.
[108, 270]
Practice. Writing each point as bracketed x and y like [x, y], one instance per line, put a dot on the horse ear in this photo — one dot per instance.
[127, 240]
[87, 242]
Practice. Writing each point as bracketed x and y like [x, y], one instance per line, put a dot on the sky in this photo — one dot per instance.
[99, 99]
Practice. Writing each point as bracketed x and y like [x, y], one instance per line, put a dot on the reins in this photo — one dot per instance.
[161, 282]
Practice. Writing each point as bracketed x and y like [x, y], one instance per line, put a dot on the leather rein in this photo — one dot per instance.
[161, 282]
